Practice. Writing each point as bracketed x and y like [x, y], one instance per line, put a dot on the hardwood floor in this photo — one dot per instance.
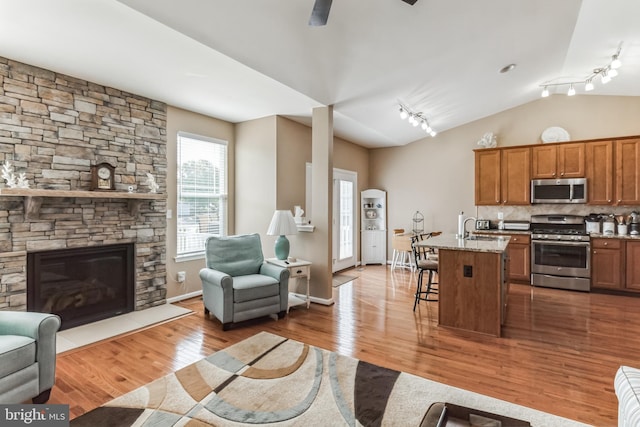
[559, 352]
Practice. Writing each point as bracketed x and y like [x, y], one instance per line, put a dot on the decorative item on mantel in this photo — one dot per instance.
[8, 175]
[151, 182]
[488, 140]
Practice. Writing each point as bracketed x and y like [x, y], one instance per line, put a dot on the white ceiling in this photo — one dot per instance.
[239, 60]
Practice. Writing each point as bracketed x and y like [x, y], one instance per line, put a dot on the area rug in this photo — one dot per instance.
[341, 279]
[270, 380]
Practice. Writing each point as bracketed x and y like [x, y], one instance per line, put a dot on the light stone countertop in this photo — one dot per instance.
[497, 244]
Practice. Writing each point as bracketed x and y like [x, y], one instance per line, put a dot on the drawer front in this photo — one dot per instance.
[606, 243]
[299, 271]
[520, 239]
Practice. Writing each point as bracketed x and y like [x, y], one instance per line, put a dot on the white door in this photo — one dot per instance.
[344, 219]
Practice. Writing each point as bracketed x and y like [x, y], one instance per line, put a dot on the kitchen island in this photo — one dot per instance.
[472, 289]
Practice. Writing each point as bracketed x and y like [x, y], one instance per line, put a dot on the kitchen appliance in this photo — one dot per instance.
[516, 225]
[634, 223]
[560, 252]
[609, 226]
[482, 224]
[573, 190]
[592, 222]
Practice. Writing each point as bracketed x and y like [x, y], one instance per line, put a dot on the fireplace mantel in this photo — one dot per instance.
[33, 198]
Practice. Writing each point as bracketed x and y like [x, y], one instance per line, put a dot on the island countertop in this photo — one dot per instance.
[497, 244]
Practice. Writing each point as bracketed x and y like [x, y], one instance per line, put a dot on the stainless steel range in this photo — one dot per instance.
[560, 252]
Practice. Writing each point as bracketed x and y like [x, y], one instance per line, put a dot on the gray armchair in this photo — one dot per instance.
[27, 356]
[238, 285]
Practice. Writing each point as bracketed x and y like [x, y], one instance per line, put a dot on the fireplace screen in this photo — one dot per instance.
[82, 285]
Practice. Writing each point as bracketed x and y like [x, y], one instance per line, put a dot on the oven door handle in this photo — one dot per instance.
[561, 242]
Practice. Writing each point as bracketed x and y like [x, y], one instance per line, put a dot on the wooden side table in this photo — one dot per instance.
[299, 268]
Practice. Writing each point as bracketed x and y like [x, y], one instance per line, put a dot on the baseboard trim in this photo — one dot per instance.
[184, 296]
[316, 300]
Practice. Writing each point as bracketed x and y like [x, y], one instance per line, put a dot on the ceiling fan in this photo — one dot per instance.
[320, 12]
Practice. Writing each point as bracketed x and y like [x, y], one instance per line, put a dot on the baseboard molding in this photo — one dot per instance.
[316, 300]
[184, 296]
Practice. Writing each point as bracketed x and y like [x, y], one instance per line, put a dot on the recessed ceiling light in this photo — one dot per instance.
[507, 68]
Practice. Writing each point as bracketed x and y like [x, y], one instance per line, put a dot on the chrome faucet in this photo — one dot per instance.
[465, 233]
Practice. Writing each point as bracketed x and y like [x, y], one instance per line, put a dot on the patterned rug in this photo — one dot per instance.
[268, 379]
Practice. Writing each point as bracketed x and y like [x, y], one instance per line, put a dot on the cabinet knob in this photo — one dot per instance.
[609, 201]
[562, 174]
[606, 243]
[299, 271]
[595, 252]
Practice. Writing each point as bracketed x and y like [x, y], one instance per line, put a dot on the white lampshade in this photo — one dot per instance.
[282, 224]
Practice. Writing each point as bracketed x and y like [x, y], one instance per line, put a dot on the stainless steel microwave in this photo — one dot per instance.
[567, 190]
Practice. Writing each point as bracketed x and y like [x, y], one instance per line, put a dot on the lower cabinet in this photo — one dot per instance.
[519, 258]
[374, 247]
[633, 266]
[614, 265]
[607, 263]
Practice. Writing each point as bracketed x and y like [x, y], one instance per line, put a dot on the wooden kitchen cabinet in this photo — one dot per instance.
[627, 162]
[502, 176]
[487, 176]
[519, 258]
[599, 172]
[565, 160]
[633, 266]
[607, 264]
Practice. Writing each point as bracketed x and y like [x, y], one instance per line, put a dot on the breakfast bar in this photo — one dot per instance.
[472, 288]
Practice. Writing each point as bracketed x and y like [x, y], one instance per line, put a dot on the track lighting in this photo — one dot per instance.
[416, 119]
[588, 86]
[615, 61]
[606, 73]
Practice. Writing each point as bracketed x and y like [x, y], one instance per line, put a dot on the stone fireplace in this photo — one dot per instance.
[53, 128]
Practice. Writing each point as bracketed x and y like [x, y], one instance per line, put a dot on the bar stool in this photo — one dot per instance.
[401, 244]
[424, 263]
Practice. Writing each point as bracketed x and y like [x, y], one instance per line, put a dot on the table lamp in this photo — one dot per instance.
[282, 224]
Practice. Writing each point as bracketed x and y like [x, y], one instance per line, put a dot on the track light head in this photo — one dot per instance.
[403, 113]
[615, 62]
[588, 86]
[545, 92]
[571, 90]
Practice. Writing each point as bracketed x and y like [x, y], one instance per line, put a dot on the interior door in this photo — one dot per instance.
[344, 219]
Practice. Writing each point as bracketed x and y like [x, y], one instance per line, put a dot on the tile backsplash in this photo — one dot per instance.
[523, 213]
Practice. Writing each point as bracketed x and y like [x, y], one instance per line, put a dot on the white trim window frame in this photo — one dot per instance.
[202, 177]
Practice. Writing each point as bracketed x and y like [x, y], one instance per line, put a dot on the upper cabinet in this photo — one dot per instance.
[502, 176]
[566, 160]
[599, 172]
[627, 161]
[612, 168]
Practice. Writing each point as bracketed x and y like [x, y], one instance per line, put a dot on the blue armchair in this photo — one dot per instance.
[27, 356]
[238, 285]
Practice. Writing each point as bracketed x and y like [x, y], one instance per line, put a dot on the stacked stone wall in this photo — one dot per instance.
[53, 127]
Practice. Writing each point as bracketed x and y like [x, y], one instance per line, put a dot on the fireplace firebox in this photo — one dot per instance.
[82, 285]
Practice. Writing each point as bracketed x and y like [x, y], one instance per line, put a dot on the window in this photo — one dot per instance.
[202, 192]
